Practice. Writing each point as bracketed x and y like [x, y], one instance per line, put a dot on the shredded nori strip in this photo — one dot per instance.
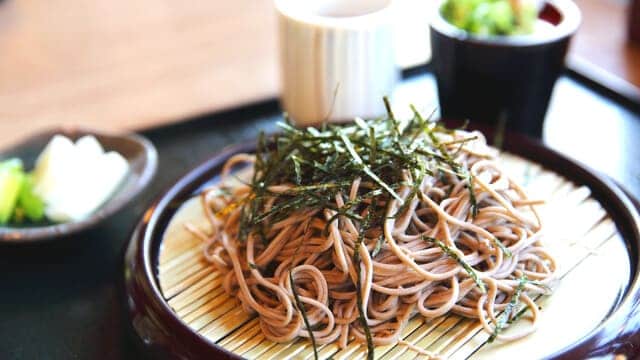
[320, 164]
[299, 304]
[509, 311]
[303, 313]
[452, 254]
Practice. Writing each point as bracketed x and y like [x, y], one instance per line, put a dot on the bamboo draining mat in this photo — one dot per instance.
[584, 239]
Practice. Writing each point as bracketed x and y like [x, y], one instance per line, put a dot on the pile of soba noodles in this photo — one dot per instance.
[343, 233]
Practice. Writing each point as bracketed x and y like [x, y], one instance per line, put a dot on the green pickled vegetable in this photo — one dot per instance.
[12, 164]
[11, 180]
[29, 203]
[18, 201]
[491, 17]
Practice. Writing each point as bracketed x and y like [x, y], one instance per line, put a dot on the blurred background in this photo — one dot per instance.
[141, 63]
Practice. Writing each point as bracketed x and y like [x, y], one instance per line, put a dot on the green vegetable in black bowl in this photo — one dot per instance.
[491, 17]
[17, 199]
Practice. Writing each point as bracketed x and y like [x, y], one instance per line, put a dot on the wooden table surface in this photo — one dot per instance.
[136, 64]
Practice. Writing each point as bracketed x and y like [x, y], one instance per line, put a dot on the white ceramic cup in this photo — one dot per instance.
[337, 58]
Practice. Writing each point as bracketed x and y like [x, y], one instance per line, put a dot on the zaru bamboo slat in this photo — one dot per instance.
[247, 331]
[193, 288]
[196, 291]
[475, 344]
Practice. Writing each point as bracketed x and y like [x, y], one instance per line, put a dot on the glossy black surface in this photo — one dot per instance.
[62, 301]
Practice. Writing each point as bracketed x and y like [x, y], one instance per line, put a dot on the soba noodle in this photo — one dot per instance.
[447, 244]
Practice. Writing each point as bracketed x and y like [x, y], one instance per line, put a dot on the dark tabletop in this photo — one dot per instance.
[63, 300]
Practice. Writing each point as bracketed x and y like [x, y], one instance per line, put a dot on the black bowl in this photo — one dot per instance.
[502, 78]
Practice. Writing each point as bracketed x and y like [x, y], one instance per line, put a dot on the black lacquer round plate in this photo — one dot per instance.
[164, 335]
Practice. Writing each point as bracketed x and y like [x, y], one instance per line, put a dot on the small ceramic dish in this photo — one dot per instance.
[138, 151]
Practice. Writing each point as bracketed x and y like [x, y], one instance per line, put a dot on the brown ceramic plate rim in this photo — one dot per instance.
[28, 235]
[165, 335]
